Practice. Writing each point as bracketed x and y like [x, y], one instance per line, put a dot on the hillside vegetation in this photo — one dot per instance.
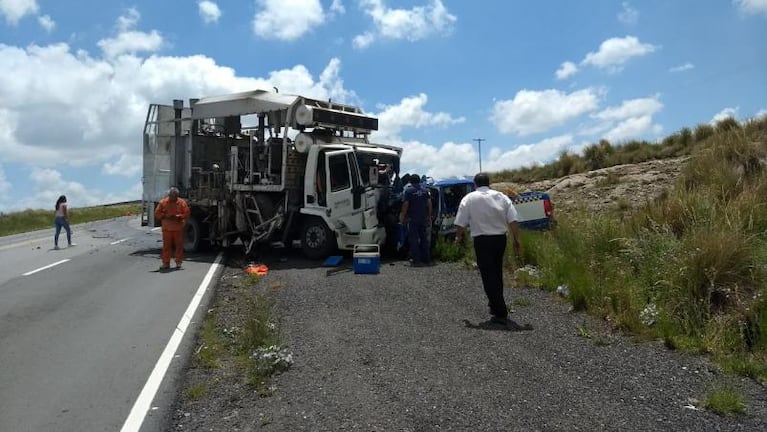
[687, 265]
[31, 220]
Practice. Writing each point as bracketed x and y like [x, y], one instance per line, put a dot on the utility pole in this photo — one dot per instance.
[479, 143]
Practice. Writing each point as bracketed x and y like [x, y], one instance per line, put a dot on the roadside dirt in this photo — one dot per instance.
[606, 188]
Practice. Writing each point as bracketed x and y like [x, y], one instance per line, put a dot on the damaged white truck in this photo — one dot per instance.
[265, 168]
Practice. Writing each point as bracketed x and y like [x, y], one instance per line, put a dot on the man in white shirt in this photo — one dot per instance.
[489, 214]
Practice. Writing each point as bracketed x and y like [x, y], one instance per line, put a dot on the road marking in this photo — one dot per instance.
[46, 267]
[143, 403]
[155, 228]
[119, 241]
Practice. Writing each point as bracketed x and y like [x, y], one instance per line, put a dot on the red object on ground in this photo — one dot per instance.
[260, 269]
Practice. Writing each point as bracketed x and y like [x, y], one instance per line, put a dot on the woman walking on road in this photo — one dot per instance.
[61, 220]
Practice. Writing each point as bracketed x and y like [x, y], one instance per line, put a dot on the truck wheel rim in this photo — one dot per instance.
[315, 237]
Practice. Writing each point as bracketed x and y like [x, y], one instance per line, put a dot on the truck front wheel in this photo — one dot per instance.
[317, 240]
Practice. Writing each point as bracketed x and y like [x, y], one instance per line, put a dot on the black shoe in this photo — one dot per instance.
[498, 320]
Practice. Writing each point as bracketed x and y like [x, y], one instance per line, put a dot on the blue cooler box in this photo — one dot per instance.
[366, 259]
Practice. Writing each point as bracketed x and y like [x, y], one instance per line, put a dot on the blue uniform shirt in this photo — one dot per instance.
[417, 198]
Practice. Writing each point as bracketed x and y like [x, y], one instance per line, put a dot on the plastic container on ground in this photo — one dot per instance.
[366, 259]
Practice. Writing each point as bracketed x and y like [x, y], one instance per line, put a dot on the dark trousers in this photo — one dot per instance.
[61, 223]
[418, 242]
[490, 250]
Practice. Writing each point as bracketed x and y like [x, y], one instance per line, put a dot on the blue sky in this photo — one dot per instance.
[532, 79]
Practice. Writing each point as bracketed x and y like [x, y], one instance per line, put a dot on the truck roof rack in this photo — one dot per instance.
[297, 112]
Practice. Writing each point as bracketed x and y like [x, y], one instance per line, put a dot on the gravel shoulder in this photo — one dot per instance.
[392, 352]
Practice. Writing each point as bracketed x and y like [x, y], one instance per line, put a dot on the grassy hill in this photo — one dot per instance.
[687, 264]
[31, 220]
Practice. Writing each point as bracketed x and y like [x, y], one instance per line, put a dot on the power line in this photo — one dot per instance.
[479, 144]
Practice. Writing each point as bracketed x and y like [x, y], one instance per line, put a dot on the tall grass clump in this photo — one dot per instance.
[689, 268]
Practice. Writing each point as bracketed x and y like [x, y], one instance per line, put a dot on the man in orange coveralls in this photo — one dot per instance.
[173, 212]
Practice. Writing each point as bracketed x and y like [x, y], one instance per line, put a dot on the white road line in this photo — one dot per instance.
[155, 229]
[143, 403]
[119, 241]
[46, 267]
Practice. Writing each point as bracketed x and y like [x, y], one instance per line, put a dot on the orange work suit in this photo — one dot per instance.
[173, 215]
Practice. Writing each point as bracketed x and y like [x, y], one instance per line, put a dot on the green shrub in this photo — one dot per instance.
[727, 124]
[703, 132]
[446, 250]
[726, 401]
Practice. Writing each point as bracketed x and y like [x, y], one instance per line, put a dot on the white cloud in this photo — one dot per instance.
[752, 6]
[724, 114]
[537, 111]
[528, 154]
[409, 112]
[47, 184]
[633, 127]
[632, 119]
[129, 41]
[363, 40]
[128, 21]
[613, 53]
[337, 7]
[209, 11]
[631, 108]
[761, 113]
[127, 165]
[449, 160]
[286, 19]
[628, 15]
[681, 68]
[94, 108]
[409, 24]
[565, 70]
[46, 22]
[15, 10]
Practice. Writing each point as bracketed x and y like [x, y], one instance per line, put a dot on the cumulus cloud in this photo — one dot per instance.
[628, 15]
[762, 113]
[287, 19]
[209, 11]
[47, 184]
[528, 154]
[752, 7]
[129, 41]
[724, 114]
[14, 10]
[450, 159]
[94, 108]
[409, 24]
[631, 128]
[633, 118]
[631, 108]
[410, 112]
[126, 165]
[566, 69]
[613, 53]
[337, 7]
[46, 22]
[538, 111]
[681, 68]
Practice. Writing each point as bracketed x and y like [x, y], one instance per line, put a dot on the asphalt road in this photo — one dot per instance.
[82, 328]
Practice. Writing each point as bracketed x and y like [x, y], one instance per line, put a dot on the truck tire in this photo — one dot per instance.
[317, 240]
[192, 235]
